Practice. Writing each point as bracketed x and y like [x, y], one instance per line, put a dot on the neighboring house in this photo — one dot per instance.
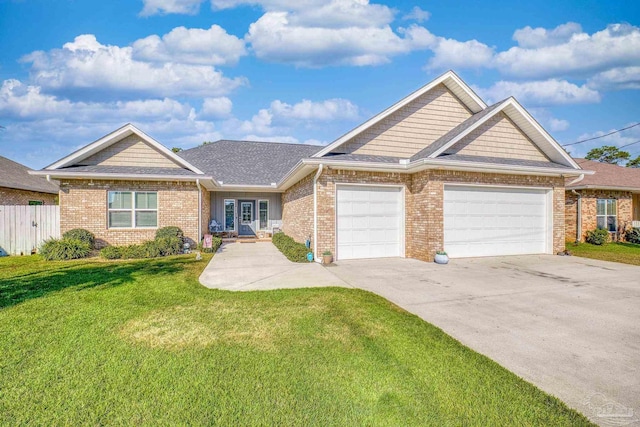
[438, 170]
[609, 199]
[18, 187]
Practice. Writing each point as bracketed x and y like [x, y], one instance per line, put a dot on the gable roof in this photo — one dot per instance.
[608, 177]
[450, 79]
[247, 162]
[15, 175]
[114, 137]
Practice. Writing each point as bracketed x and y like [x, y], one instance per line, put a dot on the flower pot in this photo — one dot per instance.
[441, 259]
[327, 259]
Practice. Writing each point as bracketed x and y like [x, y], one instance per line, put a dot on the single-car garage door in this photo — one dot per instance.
[487, 221]
[370, 222]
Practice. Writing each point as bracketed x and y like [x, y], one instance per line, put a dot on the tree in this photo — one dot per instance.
[635, 163]
[176, 149]
[608, 154]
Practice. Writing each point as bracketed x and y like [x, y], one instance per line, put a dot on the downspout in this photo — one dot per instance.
[578, 209]
[199, 210]
[315, 212]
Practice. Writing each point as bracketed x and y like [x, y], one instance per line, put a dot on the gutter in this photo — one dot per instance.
[120, 177]
[315, 212]
[578, 217]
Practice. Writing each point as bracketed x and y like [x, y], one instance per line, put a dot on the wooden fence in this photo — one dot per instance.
[24, 228]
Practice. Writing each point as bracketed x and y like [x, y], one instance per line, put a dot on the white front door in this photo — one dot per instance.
[489, 221]
[370, 222]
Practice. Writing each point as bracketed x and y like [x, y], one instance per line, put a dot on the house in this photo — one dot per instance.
[609, 199]
[18, 187]
[437, 170]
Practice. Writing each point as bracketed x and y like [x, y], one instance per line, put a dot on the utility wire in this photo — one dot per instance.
[601, 136]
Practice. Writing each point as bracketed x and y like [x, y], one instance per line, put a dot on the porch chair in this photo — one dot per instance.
[215, 227]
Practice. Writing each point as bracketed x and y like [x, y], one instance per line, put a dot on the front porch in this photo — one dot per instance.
[243, 215]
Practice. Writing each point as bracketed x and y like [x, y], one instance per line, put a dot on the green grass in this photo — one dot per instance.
[627, 253]
[142, 343]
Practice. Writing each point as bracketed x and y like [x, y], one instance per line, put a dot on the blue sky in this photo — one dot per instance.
[188, 71]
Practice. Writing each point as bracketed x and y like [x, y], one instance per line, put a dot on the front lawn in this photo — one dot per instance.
[142, 343]
[627, 253]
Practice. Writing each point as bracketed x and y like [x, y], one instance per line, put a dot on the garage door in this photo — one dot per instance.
[482, 221]
[369, 222]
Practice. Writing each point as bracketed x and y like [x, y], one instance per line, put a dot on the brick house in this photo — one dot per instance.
[437, 170]
[18, 187]
[608, 199]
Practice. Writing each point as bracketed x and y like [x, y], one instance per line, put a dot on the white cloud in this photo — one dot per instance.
[528, 37]
[216, 107]
[323, 111]
[618, 45]
[548, 121]
[417, 15]
[450, 53]
[617, 78]
[558, 125]
[85, 63]
[155, 7]
[213, 46]
[617, 139]
[541, 93]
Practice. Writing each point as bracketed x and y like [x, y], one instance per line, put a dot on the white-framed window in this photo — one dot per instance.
[606, 214]
[263, 214]
[229, 214]
[132, 209]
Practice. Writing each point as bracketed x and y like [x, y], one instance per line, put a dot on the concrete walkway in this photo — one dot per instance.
[260, 266]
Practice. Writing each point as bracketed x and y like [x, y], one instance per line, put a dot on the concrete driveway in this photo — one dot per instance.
[569, 325]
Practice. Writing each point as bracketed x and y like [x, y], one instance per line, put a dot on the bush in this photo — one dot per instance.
[169, 245]
[64, 249]
[111, 252]
[598, 236]
[82, 235]
[294, 251]
[215, 245]
[633, 235]
[169, 232]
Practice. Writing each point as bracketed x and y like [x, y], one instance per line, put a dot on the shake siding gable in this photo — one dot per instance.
[498, 137]
[411, 128]
[130, 151]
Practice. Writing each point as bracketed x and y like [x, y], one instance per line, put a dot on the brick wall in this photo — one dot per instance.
[12, 196]
[297, 210]
[206, 211]
[589, 198]
[83, 204]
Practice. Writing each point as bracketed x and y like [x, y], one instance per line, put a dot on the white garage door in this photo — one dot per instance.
[370, 222]
[483, 221]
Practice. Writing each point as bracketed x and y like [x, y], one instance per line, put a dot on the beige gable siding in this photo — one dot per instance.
[411, 128]
[131, 151]
[498, 137]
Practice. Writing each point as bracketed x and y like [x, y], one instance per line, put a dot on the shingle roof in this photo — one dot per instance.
[608, 175]
[15, 175]
[247, 162]
[442, 141]
[128, 170]
[502, 161]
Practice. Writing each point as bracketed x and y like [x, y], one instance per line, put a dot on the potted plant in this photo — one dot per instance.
[441, 257]
[327, 257]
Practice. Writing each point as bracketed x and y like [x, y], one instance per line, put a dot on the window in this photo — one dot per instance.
[133, 209]
[263, 208]
[606, 214]
[229, 215]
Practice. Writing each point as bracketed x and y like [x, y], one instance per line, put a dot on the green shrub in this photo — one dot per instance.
[169, 232]
[111, 252]
[169, 245]
[294, 251]
[215, 245]
[633, 235]
[598, 236]
[82, 235]
[64, 249]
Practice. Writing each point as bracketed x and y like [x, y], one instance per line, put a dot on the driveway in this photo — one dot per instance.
[569, 325]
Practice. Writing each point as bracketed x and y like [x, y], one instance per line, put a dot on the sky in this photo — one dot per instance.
[303, 71]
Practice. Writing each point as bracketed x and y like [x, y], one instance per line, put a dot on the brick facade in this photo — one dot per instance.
[589, 199]
[297, 209]
[423, 193]
[83, 204]
[12, 196]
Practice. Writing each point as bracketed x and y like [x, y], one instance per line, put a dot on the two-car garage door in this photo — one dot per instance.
[478, 221]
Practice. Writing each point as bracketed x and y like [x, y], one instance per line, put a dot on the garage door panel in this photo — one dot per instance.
[483, 221]
[369, 222]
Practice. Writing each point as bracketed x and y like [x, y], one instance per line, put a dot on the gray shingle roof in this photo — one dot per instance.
[444, 139]
[15, 175]
[247, 162]
[501, 161]
[128, 170]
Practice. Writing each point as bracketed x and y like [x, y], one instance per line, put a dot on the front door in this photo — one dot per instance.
[246, 219]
